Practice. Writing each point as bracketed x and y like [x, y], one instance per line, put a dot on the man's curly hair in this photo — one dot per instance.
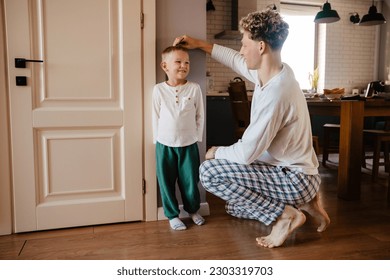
[267, 26]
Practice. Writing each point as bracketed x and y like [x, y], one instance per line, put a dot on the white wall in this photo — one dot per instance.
[217, 21]
[349, 57]
[384, 58]
[175, 18]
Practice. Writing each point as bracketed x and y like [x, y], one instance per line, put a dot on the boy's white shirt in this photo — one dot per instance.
[177, 124]
[280, 131]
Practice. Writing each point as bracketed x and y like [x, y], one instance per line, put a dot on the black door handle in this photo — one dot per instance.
[21, 62]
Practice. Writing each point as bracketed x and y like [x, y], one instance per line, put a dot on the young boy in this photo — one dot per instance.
[178, 120]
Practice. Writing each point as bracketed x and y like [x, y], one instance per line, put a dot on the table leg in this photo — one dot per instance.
[351, 144]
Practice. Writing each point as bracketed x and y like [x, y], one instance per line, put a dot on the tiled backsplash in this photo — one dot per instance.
[347, 57]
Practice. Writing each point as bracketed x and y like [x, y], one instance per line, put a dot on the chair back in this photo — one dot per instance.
[240, 105]
[387, 123]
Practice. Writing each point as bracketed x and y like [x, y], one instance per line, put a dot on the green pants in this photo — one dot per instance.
[181, 165]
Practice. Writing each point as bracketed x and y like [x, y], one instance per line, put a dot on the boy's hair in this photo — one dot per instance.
[172, 49]
[267, 26]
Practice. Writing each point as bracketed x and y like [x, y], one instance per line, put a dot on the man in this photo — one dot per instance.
[271, 172]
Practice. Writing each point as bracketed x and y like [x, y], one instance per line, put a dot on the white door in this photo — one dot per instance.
[76, 127]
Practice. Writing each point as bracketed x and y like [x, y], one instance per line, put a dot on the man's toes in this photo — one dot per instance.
[263, 241]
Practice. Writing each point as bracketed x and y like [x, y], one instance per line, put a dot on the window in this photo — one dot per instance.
[299, 50]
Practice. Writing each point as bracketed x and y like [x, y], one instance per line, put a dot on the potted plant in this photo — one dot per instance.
[313, 79]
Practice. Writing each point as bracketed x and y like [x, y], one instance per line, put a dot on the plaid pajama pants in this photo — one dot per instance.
[257, 191]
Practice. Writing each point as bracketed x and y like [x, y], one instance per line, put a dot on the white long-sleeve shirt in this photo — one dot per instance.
[279, 132]
[177, 114]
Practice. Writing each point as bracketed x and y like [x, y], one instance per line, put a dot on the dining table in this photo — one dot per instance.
[352, 114]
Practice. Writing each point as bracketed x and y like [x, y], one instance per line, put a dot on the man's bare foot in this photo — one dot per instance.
[290, 220]
[315, 209]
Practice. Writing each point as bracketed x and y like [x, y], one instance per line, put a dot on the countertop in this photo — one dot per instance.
[225, 93]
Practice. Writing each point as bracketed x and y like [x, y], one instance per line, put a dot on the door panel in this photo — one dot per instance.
[70, 33]
[76, 127]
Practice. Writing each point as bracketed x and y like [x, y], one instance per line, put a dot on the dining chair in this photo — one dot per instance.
[329, 146]
[380, 139]
[240, 105]
[388, 188]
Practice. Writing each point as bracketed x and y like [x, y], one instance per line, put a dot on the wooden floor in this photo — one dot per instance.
[359, 230]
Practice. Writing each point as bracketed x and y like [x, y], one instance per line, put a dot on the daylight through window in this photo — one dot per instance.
[299, 49]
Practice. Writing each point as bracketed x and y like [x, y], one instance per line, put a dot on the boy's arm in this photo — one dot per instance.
[155, 113]
[200, 119]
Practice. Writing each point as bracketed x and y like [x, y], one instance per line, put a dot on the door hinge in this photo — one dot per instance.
[143, 186]
[142, 20]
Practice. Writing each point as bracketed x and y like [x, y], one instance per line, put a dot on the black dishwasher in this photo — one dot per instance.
[220, 123]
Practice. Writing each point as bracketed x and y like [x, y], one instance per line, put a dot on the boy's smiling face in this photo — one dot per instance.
[176, 65]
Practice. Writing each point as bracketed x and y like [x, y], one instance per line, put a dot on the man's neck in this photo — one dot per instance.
[270, 68]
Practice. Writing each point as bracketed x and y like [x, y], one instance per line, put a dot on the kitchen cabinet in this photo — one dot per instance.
[219, 124]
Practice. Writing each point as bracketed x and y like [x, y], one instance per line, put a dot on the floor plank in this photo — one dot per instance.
[359, 230]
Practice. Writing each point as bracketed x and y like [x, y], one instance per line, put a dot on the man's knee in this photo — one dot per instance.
[204, 167]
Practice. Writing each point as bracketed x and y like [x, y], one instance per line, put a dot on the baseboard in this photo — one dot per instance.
[203, 211]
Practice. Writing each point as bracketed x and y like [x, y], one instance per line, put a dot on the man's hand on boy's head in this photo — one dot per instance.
[193, 43]
[181, 40]
[187, 42]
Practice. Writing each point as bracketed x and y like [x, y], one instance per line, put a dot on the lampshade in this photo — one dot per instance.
[373, 17]
[327, 15]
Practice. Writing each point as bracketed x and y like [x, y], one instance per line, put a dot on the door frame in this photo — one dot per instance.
[149, 79]
[5, 158]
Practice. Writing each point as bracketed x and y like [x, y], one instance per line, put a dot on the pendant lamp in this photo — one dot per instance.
[327, 15]
[210, 5]
[373, 17]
